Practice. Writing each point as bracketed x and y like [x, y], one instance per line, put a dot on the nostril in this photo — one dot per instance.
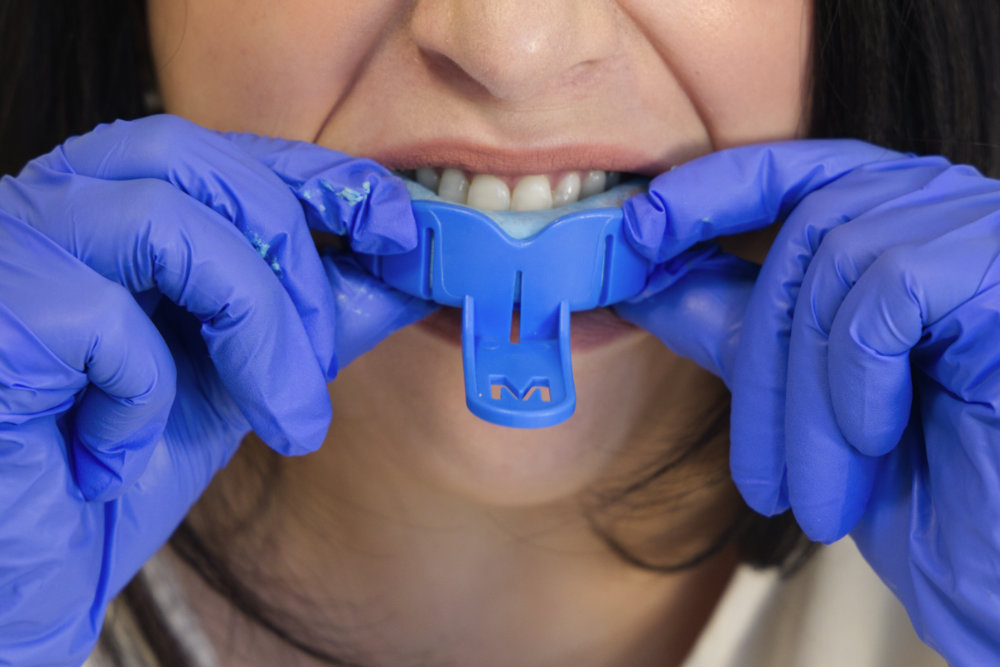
[447, 70]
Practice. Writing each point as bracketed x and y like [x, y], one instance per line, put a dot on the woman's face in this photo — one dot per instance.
[510, 88]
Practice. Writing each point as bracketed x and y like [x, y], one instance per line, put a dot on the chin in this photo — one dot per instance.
[404, 402]
[498, 466]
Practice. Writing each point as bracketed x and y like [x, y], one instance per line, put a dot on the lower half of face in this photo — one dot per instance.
[488, 101]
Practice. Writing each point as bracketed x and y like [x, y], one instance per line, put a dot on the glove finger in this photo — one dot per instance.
[829, 480]
[880, 414]
[351, 197]
[98, 332]
[906, 290]
[220, 175]
[367, 309]
[737, 190]
[697, 312]
[157, 237]
[760, 371]
[829, 483]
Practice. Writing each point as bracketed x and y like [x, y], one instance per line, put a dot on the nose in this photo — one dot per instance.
[515, 49]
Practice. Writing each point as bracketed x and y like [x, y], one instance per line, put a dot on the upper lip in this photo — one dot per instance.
[483, 159]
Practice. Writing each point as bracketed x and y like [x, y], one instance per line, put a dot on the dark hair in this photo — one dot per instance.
[921, 76]
[68, 66]
[913, 75]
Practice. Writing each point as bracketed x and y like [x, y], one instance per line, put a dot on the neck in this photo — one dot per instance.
[383, 573]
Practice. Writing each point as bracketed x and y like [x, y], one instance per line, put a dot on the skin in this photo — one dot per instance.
[423, 533]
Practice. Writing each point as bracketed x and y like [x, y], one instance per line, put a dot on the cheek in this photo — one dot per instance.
[261, 66]
[743, 63]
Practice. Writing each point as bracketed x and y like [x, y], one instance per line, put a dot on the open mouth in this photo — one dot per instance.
[523, 205]
[489, 192]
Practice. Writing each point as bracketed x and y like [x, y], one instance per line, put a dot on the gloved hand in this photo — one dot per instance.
[863, 359]
[109, 430]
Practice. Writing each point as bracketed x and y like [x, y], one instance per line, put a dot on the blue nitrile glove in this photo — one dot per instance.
[110, 428]
[863, 359]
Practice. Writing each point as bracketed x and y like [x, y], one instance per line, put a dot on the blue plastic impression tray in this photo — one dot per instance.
[465, 258]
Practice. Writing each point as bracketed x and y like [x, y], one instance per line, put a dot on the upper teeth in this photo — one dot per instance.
[530, 193]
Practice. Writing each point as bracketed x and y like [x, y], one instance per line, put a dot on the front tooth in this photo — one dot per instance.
[488, 193]
[428, 178]
[532, 193]
[454, 186]
[593, 183]
[568, 189]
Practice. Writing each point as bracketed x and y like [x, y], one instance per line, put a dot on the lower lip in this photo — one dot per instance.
[588, 329]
